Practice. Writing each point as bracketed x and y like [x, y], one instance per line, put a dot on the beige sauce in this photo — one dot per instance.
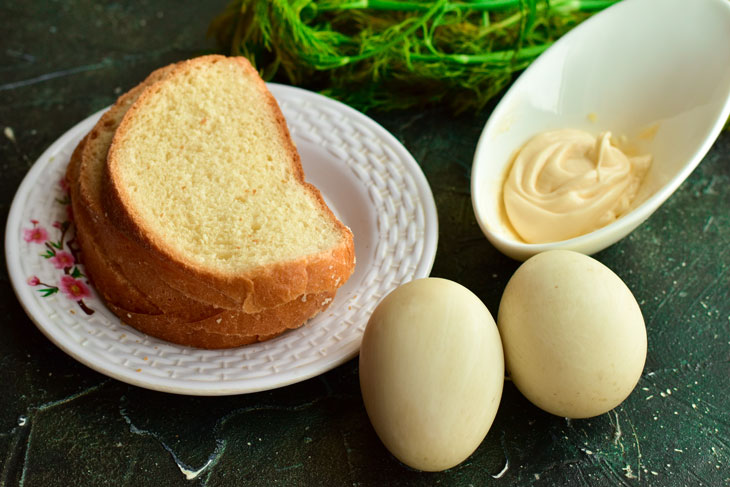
[566, 183]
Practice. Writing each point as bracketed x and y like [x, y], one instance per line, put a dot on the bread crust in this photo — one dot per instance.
[230, 328]
[251, 291]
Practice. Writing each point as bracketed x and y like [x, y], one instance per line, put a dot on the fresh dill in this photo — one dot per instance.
[389, 54]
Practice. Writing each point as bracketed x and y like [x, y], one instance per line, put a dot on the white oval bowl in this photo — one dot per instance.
[637, 65]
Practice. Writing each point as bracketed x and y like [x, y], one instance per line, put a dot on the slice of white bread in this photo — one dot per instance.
[203, 174]
[193, 326]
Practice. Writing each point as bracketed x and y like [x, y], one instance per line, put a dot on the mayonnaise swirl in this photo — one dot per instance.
[566, 183]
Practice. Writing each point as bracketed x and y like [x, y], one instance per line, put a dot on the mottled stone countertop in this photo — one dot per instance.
[63, 424]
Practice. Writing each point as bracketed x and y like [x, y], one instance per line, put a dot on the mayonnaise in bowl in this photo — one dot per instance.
[566, 183]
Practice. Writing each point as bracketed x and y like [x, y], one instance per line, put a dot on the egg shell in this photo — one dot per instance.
[573, 334]
[431, 372]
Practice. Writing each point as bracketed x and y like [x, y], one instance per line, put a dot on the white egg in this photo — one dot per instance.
[431, 373]
[573, 335]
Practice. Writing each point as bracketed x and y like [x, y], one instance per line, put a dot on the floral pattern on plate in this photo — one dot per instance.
[70, 283]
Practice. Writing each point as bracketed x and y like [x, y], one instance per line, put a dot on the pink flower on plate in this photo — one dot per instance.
[62, 260]
[33, 281]
[74, 289]
[35, 234]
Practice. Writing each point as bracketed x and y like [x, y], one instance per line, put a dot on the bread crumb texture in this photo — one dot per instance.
[210, 169]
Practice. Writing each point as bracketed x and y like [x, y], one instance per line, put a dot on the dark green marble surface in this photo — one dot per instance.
[63, 424]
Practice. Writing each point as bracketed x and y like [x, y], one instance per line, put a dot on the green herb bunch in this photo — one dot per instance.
[397, 53]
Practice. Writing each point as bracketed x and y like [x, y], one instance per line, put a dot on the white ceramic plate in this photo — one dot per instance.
[367, 177]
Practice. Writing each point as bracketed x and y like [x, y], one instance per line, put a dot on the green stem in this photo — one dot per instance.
[491, 57]
[398, 6]
[594, 5]
[484, 5]
[564, 5]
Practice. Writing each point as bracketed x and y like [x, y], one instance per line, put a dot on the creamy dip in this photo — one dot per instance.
[566, 183]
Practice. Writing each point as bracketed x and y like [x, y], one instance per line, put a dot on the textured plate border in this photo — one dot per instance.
[366, 175]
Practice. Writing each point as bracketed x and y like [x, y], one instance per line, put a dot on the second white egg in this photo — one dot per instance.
[573, 334]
